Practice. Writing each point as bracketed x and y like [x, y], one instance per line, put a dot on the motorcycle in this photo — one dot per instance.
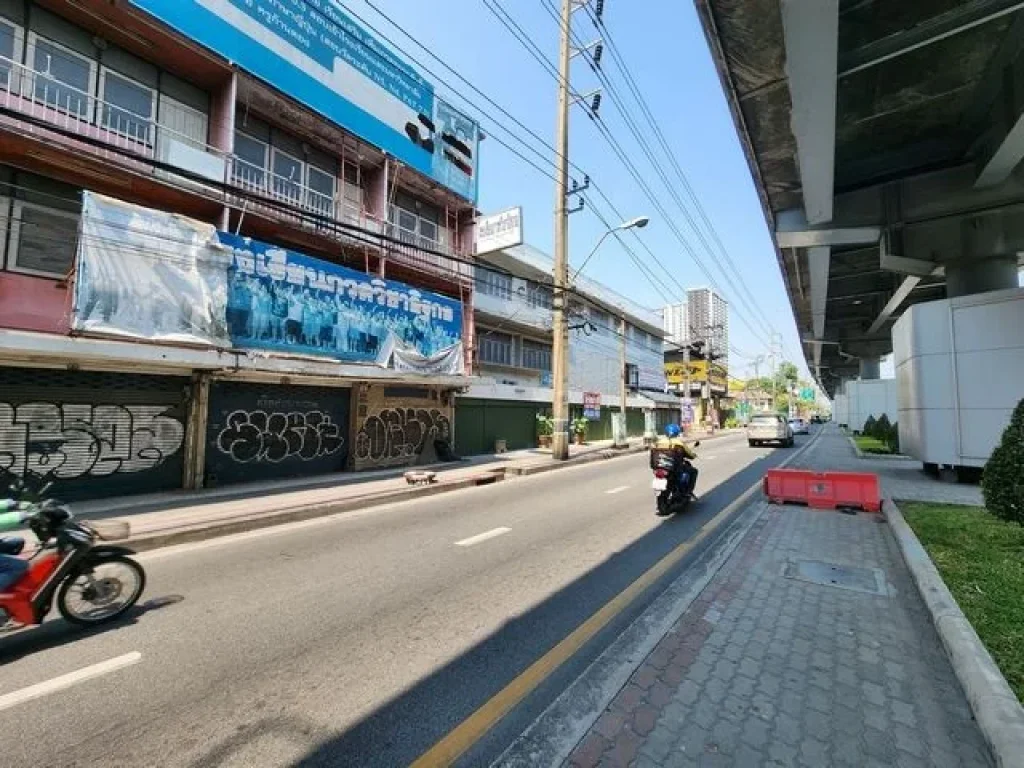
[672, 477]
[93, 583]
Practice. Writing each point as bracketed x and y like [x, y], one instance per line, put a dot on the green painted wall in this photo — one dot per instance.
[479, 423]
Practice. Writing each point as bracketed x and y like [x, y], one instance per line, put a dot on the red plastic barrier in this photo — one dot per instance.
[823, 490]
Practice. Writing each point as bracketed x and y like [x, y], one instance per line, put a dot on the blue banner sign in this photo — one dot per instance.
[314, 53]
[282, 300]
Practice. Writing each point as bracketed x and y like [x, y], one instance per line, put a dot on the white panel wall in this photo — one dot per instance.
[960, 367]
[872, 397]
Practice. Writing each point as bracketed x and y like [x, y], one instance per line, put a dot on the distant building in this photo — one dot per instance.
[676, 324]
[707, 318]
[513, 355]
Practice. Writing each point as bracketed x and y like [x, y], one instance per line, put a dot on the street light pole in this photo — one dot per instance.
[559, 324]
[622, 380]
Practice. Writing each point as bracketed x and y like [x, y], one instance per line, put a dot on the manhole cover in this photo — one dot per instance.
[870, 580]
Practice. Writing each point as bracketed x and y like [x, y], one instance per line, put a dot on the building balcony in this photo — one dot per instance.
[110, 131]
[36, 105]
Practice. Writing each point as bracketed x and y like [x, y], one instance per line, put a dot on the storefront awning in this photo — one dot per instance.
[27, 348]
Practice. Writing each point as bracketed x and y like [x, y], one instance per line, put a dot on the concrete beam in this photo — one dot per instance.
[811, 29]
[966, 16]
[908, 284]
[1003, 145]
[818, 260]
[811, 238]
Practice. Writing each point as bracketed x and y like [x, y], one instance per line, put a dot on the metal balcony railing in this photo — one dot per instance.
[40, 96]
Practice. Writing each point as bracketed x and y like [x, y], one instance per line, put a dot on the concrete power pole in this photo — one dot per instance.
[622, 377]
[560, 326]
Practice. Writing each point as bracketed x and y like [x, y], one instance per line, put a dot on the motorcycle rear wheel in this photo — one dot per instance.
[664, 509]
[111, 596]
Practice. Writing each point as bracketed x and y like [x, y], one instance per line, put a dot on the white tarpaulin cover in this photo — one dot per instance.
[149, 274]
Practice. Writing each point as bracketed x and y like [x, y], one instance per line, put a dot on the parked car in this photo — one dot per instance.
[799, 427]
[769, 428]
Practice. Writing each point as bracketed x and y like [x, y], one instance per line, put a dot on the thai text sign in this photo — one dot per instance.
[592, 406]
[279, 299]
[153, 275]
[316, 54]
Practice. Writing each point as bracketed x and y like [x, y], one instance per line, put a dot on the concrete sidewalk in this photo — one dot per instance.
[163, 519]
[810, 646]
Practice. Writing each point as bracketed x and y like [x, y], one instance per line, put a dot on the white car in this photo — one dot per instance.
[769, 428]
[799, 427]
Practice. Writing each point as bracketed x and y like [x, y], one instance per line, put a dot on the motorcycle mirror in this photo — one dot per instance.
[697, 444]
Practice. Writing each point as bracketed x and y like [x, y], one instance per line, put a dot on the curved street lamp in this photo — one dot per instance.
[636, 223]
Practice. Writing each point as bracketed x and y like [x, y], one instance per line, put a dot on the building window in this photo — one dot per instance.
[64, 79]
[126, 106]
[287, 176]
[183, 121]
[497, 349]
[321, 191]
[536, 355]
[414, 227]
[10, 53]
[250, 162]
[43, 240]
[539, 296]
[494, 284]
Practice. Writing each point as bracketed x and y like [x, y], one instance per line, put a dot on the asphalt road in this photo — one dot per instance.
[360, 639]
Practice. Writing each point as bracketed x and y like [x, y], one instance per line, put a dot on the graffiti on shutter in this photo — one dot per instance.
[396, 436]
[64, 441]
[256, 432]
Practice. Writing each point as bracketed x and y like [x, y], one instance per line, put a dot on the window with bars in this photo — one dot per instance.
[539, 296]
[497, 349]
[494, 284]
[43, 240]
[536, 355]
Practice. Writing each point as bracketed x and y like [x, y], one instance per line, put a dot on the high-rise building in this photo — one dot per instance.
[707, 321]
[676, 324]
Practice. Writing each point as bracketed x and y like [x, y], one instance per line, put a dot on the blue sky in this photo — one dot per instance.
[665, 50]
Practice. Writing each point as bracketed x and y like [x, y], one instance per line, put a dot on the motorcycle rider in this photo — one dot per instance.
[672, 440]
[12, 517]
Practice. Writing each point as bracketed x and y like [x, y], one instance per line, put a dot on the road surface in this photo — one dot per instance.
[355, 640]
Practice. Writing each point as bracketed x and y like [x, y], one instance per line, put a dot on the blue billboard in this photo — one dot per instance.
[282, 300]
[313, 52]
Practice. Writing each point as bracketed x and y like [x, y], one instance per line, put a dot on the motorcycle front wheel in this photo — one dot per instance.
[102, 592]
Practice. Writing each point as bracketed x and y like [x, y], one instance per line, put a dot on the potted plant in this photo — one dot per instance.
[545, 429]
[579, 429]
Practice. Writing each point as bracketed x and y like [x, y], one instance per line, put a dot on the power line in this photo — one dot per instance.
[673, 160]
[631, 168]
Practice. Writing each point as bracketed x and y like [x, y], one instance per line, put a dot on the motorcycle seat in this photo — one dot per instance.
[12, 546]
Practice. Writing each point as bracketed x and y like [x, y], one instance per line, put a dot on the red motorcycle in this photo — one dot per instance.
[93, 583]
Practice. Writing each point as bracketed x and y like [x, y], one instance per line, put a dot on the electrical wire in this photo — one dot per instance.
[673, 160]
[638, 177]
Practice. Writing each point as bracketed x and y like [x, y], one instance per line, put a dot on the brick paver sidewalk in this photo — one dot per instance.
[768, 670]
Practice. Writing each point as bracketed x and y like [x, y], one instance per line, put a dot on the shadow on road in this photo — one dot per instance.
[401, 729]
[57, 632]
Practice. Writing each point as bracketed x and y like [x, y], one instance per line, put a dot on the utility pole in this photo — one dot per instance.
[622, 378]
[560, 325]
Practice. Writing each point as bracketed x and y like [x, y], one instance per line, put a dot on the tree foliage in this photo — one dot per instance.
[1003, 480]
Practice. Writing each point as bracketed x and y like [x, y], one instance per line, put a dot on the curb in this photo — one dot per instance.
[996, 709]
[880, 456]
[214, 529]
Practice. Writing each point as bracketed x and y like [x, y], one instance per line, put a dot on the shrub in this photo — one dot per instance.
[883, 429]
[894, 437]
[579, 426]
[1002, 482]
[869, 427]
[732, 422]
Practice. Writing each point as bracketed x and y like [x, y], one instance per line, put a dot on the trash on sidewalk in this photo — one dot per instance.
[823, 490]
[420, 477]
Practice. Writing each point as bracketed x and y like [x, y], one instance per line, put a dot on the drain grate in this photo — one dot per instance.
[857, 579]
